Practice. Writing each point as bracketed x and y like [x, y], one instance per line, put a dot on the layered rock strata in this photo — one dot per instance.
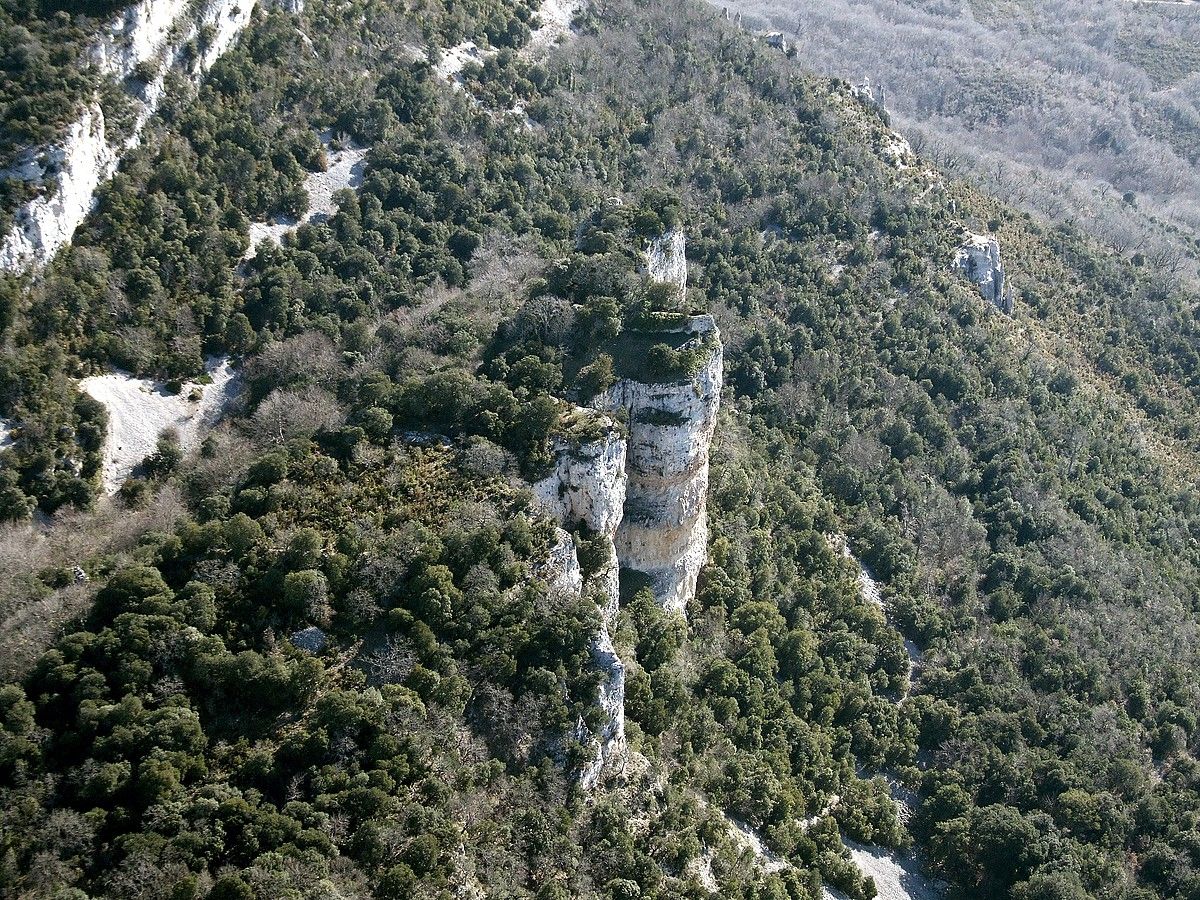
[640, 494]
[664, 530]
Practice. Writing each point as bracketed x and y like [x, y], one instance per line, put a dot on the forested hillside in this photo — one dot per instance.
[1077, 110]
[1024, 488]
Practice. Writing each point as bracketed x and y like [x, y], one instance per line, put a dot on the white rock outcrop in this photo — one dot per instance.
[587, 487]
[148, 39]
[776, 40]
[664, 531]
[346, 168]
[979, 259]
[641, 493]
[897, 875]
[554, 17]
[587, 483]
[666, 261]
[79, 164]
[135, 35]
[561, 569]
[610, 737]
[870, 95]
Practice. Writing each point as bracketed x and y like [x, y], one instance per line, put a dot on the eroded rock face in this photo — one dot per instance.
[154, 36]
[979, 259]
[664, 532]
[561, 569]
[587, 484]
[666, 262]
[135, 35]
[613, 747]
[641, 495]
[47, 222]
[663, 525]
[565, 576]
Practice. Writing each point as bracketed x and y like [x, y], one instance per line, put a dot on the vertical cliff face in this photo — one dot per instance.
[587, 484]
[179, 36]
[587, 487]
[135, 35]
[640, 494]
[979, 259]
[47, 222]
[664, 532]
[661, 529]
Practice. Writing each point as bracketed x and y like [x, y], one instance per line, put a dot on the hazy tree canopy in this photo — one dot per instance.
[1081, 111]
[1023, 488]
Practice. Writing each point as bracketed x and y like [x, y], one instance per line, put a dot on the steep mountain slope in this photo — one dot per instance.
[127, 67]
[344, 650]
[1080, 111]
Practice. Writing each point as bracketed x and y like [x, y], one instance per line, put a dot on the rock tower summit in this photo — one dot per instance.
[640, 489]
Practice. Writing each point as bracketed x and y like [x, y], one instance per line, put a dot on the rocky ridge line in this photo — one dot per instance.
[664, 532]
[641, 495]
[162, 36]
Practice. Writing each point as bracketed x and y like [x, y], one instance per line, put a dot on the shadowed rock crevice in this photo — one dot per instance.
[642, 493]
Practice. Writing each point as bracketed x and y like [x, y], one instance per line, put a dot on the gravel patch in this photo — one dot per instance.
[346, 169]
[139, 410]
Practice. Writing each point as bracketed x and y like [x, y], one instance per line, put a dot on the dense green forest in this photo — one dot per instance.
[1025, 488]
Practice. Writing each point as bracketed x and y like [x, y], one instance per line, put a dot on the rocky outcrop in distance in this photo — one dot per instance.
[139, 48]
[979, 259]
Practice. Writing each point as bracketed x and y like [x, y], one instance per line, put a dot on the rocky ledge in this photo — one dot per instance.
[138, 48]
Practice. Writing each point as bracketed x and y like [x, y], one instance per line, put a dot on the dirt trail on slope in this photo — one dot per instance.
[897, 874]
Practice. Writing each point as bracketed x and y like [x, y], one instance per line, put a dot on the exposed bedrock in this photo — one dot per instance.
[607, 742]
[138, 48]
[979, 259]
[639, 494]
[666, 261]
[664, 532]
